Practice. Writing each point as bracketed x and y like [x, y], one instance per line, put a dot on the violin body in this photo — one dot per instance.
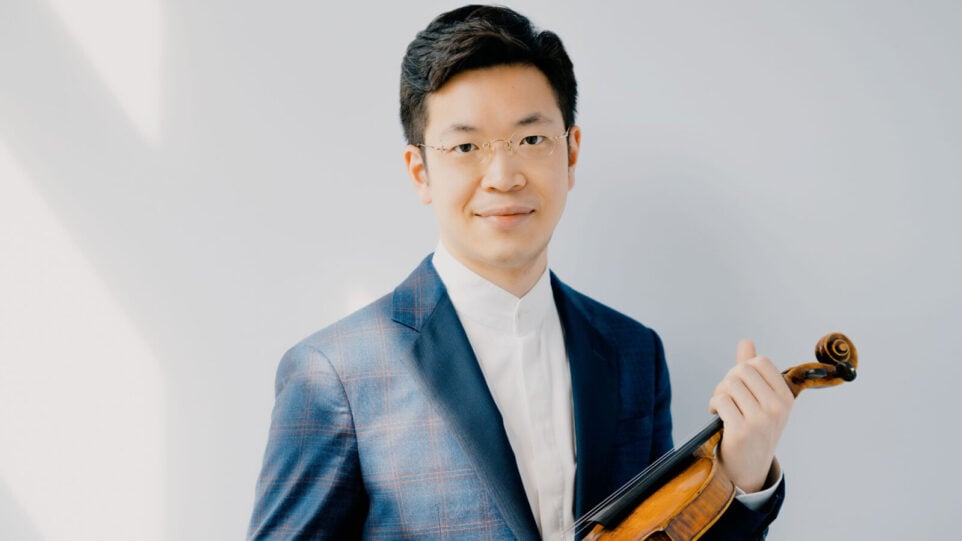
[682, 494]
[681, 509]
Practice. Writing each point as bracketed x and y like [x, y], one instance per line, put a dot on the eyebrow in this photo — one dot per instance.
[534, 118]
[460, 128]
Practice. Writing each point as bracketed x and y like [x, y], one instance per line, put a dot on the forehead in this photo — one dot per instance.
[492, 100]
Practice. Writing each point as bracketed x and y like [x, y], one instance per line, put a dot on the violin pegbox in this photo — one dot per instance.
[837, 361]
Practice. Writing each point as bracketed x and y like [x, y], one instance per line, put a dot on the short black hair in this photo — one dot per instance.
[475, 37]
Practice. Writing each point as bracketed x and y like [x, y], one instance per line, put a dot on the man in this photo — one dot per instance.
[484, 398]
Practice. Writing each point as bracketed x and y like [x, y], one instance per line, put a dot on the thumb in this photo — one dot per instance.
[745, 350]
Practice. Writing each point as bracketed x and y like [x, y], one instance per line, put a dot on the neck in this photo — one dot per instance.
[517, 280]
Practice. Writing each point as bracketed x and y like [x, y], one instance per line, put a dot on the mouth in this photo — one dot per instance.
[504, 211]
[505, 216]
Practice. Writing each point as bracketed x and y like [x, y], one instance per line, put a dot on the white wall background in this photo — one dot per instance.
[188, 188]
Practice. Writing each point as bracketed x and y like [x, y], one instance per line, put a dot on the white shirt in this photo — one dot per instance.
[520, 347]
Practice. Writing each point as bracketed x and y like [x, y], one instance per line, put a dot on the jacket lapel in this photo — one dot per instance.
[450, 372]
[594, 389]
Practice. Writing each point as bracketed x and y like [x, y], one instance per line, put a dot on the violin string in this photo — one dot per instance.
[713, 428]
[588, 517]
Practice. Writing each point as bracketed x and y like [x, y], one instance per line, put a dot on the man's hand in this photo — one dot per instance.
[754, 402]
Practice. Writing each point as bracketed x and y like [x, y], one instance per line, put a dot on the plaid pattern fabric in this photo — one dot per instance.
[356, 450]
[383, 427]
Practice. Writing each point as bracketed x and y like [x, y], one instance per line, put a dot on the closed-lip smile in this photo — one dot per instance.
[513, 210]
[505, 218]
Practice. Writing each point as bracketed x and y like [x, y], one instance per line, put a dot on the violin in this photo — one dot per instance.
[683, 493]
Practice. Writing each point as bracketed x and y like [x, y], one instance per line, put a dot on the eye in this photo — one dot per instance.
[463, 148]
[533, 140]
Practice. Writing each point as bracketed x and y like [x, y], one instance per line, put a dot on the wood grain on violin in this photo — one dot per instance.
[684, 492]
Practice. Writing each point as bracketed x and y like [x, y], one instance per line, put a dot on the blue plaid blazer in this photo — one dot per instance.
[384, 428]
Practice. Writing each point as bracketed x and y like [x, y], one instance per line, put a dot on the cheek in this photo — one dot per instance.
[557, 189]
[452, 198]
[558, 204]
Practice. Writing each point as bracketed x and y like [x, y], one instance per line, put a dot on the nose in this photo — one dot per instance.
[502, 170]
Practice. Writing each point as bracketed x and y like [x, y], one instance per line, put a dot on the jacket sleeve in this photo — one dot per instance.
[310, 483]
[661, 442]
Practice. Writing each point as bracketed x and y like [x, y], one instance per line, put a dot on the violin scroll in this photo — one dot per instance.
[684, 492]
[837, 361]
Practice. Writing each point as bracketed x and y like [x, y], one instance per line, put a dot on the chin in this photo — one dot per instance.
[513, 256]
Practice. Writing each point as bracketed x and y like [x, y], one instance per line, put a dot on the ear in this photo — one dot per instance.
[574, 147]
[418, 172]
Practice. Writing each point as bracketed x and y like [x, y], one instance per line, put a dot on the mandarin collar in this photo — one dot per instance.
[485, 303]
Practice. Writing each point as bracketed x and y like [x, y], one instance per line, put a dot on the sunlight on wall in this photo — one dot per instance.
[358, 297]
[122, 39]
[82, 419]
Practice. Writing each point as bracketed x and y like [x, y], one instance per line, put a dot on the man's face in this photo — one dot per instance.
[495, 216]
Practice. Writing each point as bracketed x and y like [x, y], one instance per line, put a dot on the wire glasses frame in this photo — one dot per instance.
[528, 147]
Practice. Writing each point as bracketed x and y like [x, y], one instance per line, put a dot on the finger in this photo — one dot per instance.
[752, 374]
[745, 350]
[773, 378]
[743, 396]
[772, 406]
[725, 408]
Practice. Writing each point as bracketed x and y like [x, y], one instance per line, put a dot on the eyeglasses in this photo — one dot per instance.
[469, 153]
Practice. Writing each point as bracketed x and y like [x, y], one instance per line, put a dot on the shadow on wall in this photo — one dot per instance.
[82, 396]
[158, 171]
[16, 525]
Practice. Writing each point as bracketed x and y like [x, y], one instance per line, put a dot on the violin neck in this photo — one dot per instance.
[700, 438]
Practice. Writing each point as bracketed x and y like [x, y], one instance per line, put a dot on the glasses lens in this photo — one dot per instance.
[529, 146]
[535, 146]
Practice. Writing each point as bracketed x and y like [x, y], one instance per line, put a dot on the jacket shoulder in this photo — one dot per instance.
[352, 345]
